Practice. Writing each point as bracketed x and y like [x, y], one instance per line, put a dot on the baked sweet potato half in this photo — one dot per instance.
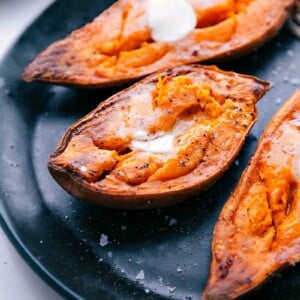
[258, 230]
[118, 46]
[160, 140]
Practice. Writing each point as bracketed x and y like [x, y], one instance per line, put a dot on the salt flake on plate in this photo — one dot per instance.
[103, 240]
[140, 275]
[172, 222]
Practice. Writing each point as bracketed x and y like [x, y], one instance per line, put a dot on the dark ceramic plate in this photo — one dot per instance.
[155, 254]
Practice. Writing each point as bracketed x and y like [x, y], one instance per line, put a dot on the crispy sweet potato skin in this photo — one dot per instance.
[117, 47]
[94, 159]
[258, 230]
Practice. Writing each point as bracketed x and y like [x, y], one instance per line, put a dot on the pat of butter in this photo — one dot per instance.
[160, 142]
[170, 20]
[152, 143]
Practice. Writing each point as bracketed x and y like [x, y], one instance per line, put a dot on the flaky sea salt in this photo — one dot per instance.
[179, 270]
[160, 280]
[171, 289]
[103, 240]
[140, 275]
[296, 122]
[83, 169]
[172, 222]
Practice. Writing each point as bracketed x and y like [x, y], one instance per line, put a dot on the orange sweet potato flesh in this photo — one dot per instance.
[258, 230]
[204, 111]
[117, 47]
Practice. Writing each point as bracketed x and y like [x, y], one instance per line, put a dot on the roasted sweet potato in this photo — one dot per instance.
[153, 144]
[293, 23]
[118, 47]
[258, 230]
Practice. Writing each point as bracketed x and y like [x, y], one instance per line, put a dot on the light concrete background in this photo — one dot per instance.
[17, 280]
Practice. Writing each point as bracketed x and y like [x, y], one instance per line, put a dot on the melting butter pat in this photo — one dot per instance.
[152, 143]
[170, 20]
[160, 142]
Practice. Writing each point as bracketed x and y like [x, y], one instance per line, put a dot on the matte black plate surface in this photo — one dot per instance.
[59, 235]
